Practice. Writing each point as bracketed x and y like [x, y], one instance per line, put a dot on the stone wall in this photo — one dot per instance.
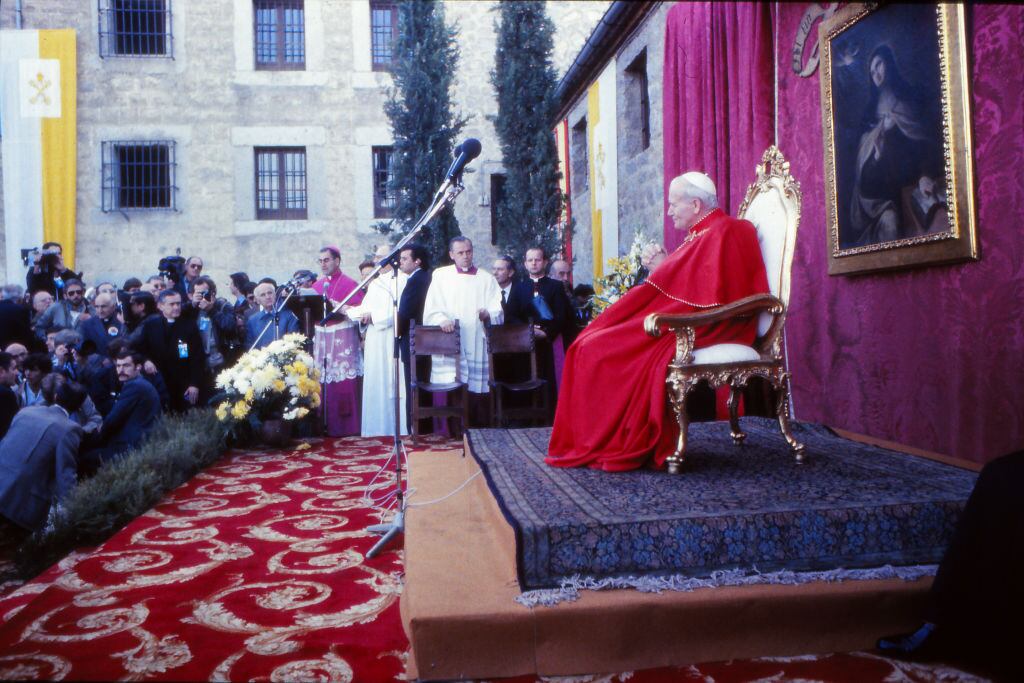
[211, 102]
[640, 170]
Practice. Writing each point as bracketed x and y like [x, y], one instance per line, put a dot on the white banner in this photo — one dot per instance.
[39, 88]
[22, 153]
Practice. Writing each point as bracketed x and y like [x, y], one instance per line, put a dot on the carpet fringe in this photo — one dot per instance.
[569, 589]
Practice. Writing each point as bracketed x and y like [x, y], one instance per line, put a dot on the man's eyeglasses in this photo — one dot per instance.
[74, 292]
[196, 266]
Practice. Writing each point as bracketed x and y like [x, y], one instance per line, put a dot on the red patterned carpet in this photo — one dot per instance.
[255, 570]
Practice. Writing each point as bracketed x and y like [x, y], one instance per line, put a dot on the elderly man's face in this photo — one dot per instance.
[265, 296]
[683, 211]
[105, 305]
[41, 301]
[18, 351]
[561, 270]
[462, 254]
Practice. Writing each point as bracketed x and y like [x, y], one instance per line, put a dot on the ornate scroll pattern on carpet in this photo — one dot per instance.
[255, 569]
[849, 506]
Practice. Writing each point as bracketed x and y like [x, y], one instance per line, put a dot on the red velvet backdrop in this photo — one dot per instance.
[718, 86]
[931, 357]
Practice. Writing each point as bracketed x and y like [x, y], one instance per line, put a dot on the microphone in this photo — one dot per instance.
[464, 153]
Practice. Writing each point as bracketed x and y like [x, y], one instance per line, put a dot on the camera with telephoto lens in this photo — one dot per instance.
[48, 258]
[172, 268]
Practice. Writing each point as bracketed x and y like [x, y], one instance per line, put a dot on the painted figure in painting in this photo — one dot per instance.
[898, 188]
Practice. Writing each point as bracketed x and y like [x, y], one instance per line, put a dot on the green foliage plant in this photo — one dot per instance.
[176, 449]
[424, 124]
[525, 80]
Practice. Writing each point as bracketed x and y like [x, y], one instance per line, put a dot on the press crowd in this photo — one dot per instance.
[87, 368]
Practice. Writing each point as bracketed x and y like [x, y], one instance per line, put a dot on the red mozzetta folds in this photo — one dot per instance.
[612, 412]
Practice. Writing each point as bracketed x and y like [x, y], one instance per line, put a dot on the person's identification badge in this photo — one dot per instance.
[112, 331]
[204, 323]
[182, 350]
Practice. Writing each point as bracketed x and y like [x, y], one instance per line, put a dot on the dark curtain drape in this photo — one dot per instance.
[719, 90]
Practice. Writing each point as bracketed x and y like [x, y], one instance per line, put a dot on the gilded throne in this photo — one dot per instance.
[772, 204]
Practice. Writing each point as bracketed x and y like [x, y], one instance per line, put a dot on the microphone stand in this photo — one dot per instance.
[445, 195]
[276, 316]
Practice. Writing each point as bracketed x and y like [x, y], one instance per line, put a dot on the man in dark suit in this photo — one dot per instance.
[504, 269]
[8, 399]
[176, 349]
[414, 261]
[38, 459]
[135, 411]
[15, 318]
[543, 301]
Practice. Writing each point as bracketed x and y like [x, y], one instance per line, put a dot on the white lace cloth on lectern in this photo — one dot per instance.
[341, 345]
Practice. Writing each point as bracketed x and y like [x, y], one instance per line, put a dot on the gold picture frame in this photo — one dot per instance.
[896, 123]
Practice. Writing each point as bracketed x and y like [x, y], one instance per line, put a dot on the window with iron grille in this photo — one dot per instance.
[383, 31]
[138, 175]
[280, 34]
[281, 183]
[383, 196]
[135, 28]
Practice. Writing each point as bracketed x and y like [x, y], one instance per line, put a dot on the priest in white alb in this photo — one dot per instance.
[376, 313]
[470, 295]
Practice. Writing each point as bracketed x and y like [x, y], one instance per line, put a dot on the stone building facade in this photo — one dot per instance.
[211, 101]
[638, 55]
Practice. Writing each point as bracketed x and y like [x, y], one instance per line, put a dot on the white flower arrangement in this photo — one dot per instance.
[278, 381]
[621, 275]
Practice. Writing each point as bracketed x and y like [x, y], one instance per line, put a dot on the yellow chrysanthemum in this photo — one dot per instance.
[240, 410]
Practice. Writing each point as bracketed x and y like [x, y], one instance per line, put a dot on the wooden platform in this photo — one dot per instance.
[459, 612]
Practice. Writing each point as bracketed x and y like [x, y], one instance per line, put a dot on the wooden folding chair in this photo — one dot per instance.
[506, 340]
[431, 340]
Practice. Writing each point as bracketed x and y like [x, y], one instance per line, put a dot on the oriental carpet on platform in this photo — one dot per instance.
[749, 507]
[256, 570]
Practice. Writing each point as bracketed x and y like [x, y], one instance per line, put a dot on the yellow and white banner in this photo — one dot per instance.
[38, 85]
[602, 147]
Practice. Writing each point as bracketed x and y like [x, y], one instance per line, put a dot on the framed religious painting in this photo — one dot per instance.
[899, 180]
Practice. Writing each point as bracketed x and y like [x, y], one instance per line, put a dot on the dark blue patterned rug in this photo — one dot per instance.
[848, 506]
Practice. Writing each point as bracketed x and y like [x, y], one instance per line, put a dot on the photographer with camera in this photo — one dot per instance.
[69, 312]
[215, 319]
[48, 271]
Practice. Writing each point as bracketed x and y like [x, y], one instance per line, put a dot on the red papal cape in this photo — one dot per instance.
[612, 412]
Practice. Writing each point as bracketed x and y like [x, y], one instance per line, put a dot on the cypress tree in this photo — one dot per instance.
[525, 81]
[423, 123]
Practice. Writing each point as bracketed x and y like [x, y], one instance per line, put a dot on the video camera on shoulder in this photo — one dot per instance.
[172, 268]
[48, 259]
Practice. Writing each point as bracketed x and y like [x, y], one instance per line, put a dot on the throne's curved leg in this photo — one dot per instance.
[735, 387]
[678, 388]
[782, 405]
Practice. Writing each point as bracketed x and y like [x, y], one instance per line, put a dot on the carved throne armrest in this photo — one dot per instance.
[684, 324]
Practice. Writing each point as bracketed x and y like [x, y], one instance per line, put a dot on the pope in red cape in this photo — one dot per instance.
[612, 411]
